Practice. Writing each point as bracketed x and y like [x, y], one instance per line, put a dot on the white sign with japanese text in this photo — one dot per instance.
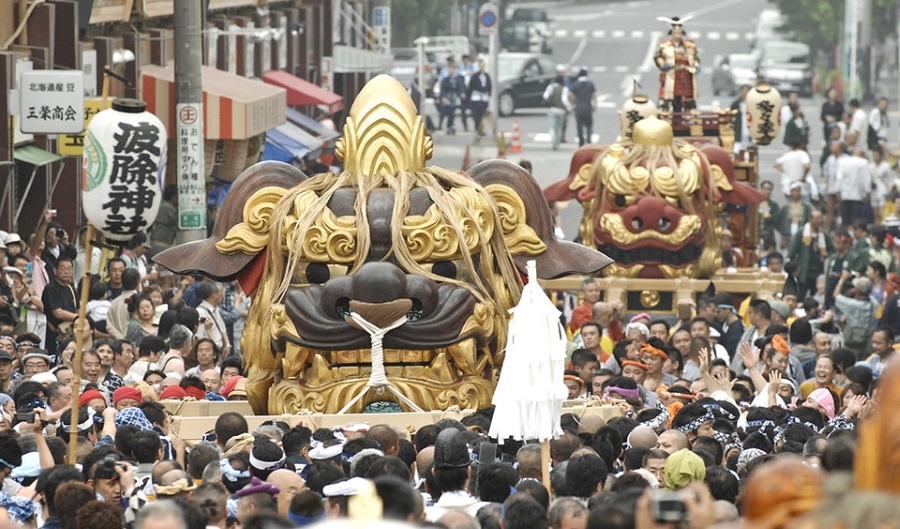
[190, 172]
[51, 102]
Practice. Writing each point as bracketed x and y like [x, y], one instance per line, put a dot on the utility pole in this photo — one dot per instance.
[190, 173]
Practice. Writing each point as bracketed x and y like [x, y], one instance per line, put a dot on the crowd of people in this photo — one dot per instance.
[710, 401]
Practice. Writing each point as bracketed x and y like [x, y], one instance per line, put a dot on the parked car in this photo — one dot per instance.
[537, 28]
[406, 67]
[732, 71]
[787, 67]
[770, 25]
[521, 80]
[518, 36]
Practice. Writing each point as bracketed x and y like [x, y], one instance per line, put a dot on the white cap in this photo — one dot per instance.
[321, 452]
[348, 487]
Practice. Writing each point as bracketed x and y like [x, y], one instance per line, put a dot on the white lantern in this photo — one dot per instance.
[123, 170]
[635, 109]
[763, 113]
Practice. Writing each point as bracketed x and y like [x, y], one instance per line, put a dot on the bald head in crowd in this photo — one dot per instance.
[289, 484]
[672, 441]
[529, 459]
[642, 437]
[386, 437]
[602, 313]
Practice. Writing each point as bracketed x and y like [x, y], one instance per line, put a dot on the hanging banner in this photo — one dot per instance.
[73, 144]
[123, 168]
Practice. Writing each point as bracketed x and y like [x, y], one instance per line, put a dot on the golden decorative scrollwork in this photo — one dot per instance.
[649, 298]
[582, 177]
[520, 237]
[613, 224]
[292, 396]
[672, 272]
[719, 178]
[710, 259]
[251, 235]
[617, 270]
[430, 238]
[331, 239]
[384, 135]
[689, 174]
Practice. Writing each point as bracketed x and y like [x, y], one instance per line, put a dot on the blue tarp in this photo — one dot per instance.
[282, 148]
[321, 131]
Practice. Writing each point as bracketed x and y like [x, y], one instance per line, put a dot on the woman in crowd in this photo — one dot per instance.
[141, 323]
[824, 377]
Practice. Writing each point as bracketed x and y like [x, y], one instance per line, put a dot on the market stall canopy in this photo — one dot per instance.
[320, 131]
[302, 92]
[234, 107]
[288, 142]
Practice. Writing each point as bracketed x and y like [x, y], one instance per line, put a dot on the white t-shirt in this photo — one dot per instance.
[854, 178]
[98, 309]
[793, 169]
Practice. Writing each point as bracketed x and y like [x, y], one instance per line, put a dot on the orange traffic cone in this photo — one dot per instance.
[515, 143]
[466, 161]
[501, 145]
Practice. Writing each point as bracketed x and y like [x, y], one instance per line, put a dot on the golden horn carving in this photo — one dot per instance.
[383, 135]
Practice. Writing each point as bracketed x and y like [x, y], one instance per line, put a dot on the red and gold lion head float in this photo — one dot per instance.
[652, 204]
[388, 240]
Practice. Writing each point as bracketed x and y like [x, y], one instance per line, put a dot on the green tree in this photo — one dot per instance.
[411, 19]
[820, 23]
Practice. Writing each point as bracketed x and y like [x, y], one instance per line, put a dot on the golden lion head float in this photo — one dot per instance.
[430, 257]
[652, 204]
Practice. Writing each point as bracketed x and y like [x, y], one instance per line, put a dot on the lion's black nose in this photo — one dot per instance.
[378, 283]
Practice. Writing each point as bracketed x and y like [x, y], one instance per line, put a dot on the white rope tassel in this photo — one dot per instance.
[378, 378]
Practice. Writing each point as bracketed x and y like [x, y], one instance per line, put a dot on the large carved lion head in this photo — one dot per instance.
[386, 238]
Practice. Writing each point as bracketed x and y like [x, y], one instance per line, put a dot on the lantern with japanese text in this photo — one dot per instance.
[763, 113]
[635, 109]
[124, 166]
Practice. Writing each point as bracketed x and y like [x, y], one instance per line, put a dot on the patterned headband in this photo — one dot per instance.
[694, 425]
[658, 421]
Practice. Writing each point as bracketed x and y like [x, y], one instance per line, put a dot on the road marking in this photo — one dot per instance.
[732, 35]
[620, 69]
[602, 97]
[606, 104]
[749, 35]
[712, 7]
[599, 34]
[714, 35]
[637, 34]
[644, 69]
[627, 85]
[578, 51]
[579, 33]
[618, 34]
[544, 137]
[561, 33]
[651, 50]
[598, 69]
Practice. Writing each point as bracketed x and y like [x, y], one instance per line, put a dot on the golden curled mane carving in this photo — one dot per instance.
[251, 235]
[520, 237]
[615, 226]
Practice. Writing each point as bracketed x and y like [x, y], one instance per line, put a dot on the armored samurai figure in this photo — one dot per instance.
[417, 266]
[652, 203]
[679, 64]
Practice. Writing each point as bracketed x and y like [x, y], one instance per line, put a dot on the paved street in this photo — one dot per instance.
[616, 42]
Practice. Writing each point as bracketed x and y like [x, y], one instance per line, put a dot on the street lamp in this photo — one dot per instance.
[420, 43]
